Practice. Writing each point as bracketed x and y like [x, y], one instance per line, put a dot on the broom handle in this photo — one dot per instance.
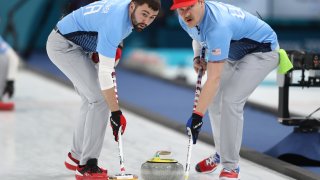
[195, 103]
[198, 83]
[186, 174]
[122, 169]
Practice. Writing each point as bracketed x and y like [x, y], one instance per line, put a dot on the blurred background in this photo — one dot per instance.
[159, 60]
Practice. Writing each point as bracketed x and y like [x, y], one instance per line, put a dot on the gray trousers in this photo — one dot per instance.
[93, 117]
[239, 79]
[4, 66]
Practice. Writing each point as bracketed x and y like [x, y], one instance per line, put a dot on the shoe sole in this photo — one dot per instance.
[226, 178]
[6, 106]
[208, 172]
[70, 166]
[74, 167]
[90, 178]
[79, 176]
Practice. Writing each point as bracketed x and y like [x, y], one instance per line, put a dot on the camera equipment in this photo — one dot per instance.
[307, 64]
[305, 61]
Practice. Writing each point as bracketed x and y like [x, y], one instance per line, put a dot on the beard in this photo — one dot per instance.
[136, 25]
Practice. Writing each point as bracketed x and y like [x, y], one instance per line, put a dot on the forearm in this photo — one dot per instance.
[110, 97]
[208, 92]
[196, 48]
[106, 67]
[211, 86]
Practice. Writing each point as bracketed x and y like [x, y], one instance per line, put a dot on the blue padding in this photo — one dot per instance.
[157, 96]
[42, 63]
[262, 130]
[303, 144]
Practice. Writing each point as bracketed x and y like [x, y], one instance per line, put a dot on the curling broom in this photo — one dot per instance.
[195, 103]
[122, 175]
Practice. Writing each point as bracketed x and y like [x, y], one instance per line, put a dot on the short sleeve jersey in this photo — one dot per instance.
[228, 32]
[99, 26]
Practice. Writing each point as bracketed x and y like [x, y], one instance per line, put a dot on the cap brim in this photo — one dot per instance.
[183, 4]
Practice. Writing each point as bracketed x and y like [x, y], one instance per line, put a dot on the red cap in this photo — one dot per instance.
[182, 3]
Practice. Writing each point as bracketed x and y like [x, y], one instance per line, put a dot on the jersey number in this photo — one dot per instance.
[96, 7]
[234, 11]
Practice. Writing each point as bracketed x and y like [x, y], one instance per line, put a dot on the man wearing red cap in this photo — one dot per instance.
[241, 50]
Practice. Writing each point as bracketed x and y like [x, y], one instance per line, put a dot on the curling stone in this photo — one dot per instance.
[162, 167]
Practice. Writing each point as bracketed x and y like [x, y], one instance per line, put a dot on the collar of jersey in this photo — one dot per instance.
[129, 22]
[202, 21]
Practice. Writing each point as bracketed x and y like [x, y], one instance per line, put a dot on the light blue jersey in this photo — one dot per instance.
[229, 32]
[99, 26]
[3, 46]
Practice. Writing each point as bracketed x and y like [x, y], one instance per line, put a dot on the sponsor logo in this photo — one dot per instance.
[197, 125]
[113, 122]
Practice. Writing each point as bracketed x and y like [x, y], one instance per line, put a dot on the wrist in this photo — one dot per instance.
[196, 58]
[116, 113]
[197, 115]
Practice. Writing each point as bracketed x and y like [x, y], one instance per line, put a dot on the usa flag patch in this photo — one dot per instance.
[216, 52]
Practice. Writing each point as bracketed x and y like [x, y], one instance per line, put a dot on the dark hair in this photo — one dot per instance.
[153, 4]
